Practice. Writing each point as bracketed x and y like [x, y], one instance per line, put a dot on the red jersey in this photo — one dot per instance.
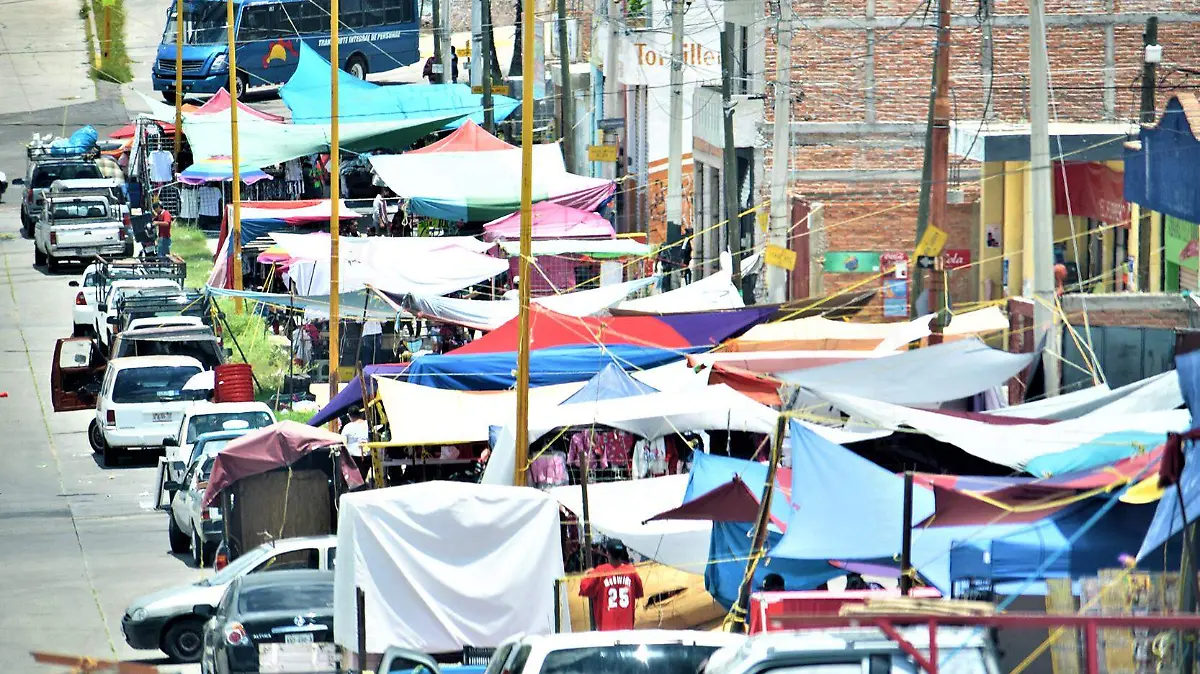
[163, 220]
[614, 591]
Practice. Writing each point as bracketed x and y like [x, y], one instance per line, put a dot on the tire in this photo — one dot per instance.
[183, 640]
[111, 456]
[243, 84]
[39, 258]
[52, 264]
[169, 96]
[197, 551]
[179, 540]
[26, 225]
[357, 67]
[95, 437]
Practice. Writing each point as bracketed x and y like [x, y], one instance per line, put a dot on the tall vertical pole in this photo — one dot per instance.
[335, 184]
[522, 451]
[781, 152]
[759, 537]
[906, 581]
[675, 130]
[612, 102]
[234, 155]
[437, 42]
[1040, 195]
[443, 29]
[178, 78]
[485, 54]
[733, 228]
[566, 99]
[1151, 55]
[939, 147]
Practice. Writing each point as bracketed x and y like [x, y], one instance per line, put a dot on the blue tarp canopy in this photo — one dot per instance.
[1163, 172]
[556, 365]
[1168, 521]
[307, 95]
[352, 395]
[611, 382]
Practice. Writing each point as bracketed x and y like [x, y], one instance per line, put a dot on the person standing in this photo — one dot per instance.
[613, 590]
[162, 223]
[453, 65]
[379, 211]
[372, 342]
[355, 434]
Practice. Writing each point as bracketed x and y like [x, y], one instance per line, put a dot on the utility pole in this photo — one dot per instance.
[178, 78]
[931, 207]
[781, 152]
[485, 53]
[443, 29]
[1151, 55]
[612, 102]
[566, 99]
[335, 183]
[234, 154]
[524, 290]
[733, 225]
[1041, 197]
[437, 41]
[675, 133]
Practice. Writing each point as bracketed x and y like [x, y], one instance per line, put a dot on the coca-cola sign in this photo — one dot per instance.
[956, 258]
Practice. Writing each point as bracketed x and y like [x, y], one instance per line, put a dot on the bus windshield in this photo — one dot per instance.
[203, 23]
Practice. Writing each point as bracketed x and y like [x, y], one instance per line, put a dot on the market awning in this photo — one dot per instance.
[470, 137]
[352, 394]
[711, 292]
[551, 221]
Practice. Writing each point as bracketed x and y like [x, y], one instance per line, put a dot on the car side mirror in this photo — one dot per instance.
[73, 284]
[18, 181]
[204, 610]
[170, 442]
[112, 320]
[102, 307]
[171, 485]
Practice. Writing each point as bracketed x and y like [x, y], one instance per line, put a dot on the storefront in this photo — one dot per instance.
[1180, 261]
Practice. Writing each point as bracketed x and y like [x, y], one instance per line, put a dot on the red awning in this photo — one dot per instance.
[1096, 191]
[758, 387]
[470, 137]
[731, 502]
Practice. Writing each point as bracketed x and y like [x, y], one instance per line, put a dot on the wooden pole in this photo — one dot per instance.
[522, 450]
[741, 608]
[360, 605]
[485, 53]
[235, 157]
[178, 79]
[588, 562]
[335, 188]
[906, 536]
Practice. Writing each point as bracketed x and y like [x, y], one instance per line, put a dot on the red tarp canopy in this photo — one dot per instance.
[470, 137]
[552, 221]
[753, 385]
[731, 502]
[549, 329]
[276, 446]
[220, 102]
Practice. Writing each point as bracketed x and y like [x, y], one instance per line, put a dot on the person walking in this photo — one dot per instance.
[453, 65]
[162, 223]
[355, 434]
[613, 590]
[372, 342]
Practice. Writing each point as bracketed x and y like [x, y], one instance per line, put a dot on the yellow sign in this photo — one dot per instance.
[464, 50]
[497, 89]
[778, 256]
[602, 153]
[762, 218]
[932, 242]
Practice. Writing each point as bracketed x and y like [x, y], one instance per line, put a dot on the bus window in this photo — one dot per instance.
[350, 12]
[261, 22]
[203, 23]
[375, 13]
[312, 19]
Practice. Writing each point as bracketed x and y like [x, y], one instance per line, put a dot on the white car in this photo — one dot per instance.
[165, 619]
[615, 652]
[120, 290]
[84, 314]
[141, 401]
[192, 526]
[206, 417]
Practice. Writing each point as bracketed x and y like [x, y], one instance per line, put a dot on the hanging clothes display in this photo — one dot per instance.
[189, 203]
[209, 201]
[549, 470]
[162, 166]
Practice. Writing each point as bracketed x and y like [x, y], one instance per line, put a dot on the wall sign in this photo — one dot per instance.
[852, 262]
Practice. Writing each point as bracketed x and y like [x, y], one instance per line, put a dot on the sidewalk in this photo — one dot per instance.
[43, 56]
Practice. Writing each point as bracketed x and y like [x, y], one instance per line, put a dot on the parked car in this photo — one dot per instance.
[208, 418]
[97, 280]
[615, 652]
[110, 189]
[120, 292]
[41, 171]
[266, 620]
[166, 619]
[850, 650]
[141, 401]
[199, 342]
[74, 227]
[191, 526]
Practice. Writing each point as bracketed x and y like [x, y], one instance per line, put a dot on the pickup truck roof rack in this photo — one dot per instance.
[45, 152]
[184, 303]
[171, 267]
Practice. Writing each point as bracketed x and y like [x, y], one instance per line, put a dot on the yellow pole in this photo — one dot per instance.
[234, 158]
[335, 189]
[522, 452]
[1014, 224]
[1132, 246]
[991, 214]
[178, 78]
[1156, 252]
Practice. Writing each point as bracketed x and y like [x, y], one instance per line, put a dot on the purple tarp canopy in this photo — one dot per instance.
[352, 395]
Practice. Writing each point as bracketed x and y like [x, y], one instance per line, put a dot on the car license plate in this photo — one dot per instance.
[306, 658]
[162, 416]
[297, 638]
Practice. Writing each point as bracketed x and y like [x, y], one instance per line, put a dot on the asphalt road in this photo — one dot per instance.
[77, 541]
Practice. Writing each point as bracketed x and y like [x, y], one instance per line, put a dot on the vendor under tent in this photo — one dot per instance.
[551, 221]
[649, 416]
[1092, 440]
[307, 94]
[485, 185]
[351, 394]
[927, 376]
[491, 314]
[444, 565]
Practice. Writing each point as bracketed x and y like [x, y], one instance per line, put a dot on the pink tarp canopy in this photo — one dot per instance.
[221, 101]
[276, 446]
[470, 137]
[552, 221]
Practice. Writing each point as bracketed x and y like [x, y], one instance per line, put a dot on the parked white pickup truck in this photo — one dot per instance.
[78, 227]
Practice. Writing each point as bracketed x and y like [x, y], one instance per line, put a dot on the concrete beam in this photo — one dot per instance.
[869, 175]
[1073, 303]
[998, 20]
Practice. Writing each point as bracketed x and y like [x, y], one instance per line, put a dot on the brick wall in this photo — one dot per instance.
[831, 69]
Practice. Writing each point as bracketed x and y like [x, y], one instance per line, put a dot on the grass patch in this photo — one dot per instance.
[190, 243]
[110, 26]
[294, 415]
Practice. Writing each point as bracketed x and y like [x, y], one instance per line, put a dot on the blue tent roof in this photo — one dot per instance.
[1167, 522]
[307, 95]
[611, 382]
[555, 365]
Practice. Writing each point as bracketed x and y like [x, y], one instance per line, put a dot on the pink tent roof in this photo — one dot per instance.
[552, 221]
[220, 102]
[470, 137]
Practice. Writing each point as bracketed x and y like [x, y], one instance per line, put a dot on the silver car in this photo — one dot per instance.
[165, 619]
[191, 525]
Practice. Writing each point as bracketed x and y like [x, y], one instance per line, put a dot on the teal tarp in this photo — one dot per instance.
[307, 95]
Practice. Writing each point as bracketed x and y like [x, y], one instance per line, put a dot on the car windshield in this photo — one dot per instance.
[46, 174]
[210, 423]
[206, 468]
[306, 597]
[203, 23]
[628, 659]
[79, 209]
[152, 384]
[211, 447]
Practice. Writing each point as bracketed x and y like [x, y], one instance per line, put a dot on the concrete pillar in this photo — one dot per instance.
[1131, 245]
[1014, 224]
[1108, 241]
[991, 219]
[1027, 257]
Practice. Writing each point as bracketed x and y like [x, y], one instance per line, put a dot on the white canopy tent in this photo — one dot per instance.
[707, 294]
[1160, 392]
[649, 416]
[445, 565]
